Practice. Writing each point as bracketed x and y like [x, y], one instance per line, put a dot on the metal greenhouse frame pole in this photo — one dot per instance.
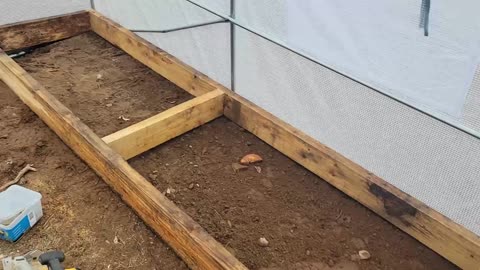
[267, 37]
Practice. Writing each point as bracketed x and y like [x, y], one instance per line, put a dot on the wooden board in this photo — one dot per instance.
[31, 33]
[436, 231]
[193, 244]
[163, 63]
[169, 124]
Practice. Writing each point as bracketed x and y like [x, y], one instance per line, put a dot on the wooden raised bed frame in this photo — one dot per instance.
[107, 156]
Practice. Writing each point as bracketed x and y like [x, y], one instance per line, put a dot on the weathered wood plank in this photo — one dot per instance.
[31, 33]
[196, 247]
[163, 63]
[436, 231]
[164, 126]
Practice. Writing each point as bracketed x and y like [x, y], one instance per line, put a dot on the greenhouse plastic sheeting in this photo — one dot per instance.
[424, 157]
[380, 43]
[22, 10]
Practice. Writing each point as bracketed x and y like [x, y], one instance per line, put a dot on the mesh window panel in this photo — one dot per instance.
[471, 115]
[435, 163]
[271, 17]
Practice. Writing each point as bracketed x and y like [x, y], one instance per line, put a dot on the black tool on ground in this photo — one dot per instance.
[52, 259]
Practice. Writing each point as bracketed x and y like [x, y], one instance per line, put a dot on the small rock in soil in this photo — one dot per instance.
[191, 186]
[238, 167]
[40, 143]
[263, 242]
[117, 240]
[153, 176]
[3, 136]
[258, 169]
[364, 255]
[124, 118]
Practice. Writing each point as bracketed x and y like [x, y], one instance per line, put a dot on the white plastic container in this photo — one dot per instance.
[20, 209]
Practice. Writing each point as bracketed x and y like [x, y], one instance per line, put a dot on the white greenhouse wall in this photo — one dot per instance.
[435, 163]
[23, 10]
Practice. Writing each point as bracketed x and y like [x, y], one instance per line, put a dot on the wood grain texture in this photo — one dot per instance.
[436, 231]
[192, 243]
[31, 33]
[145, 135]
[163, 63]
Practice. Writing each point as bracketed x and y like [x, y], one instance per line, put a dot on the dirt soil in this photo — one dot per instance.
[308, 224]
[105, 87]
[82, 216]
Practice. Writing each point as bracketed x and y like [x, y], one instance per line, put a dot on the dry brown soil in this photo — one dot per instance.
[83, 217]
[308, 223]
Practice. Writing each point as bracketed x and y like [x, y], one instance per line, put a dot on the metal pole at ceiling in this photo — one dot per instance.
[232, 46]
[179, 28]
[432, 114]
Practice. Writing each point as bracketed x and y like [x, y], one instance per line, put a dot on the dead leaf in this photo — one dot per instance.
[251, 159]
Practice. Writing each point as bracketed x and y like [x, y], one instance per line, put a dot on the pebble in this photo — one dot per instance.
[40, 143]
[364, 255]
[191, 186]
[263, 242]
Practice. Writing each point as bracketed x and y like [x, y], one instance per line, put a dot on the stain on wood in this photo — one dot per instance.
[394, 206]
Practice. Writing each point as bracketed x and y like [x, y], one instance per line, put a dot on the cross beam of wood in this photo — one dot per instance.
[190, 241]
[145, 135]
[433, 229]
